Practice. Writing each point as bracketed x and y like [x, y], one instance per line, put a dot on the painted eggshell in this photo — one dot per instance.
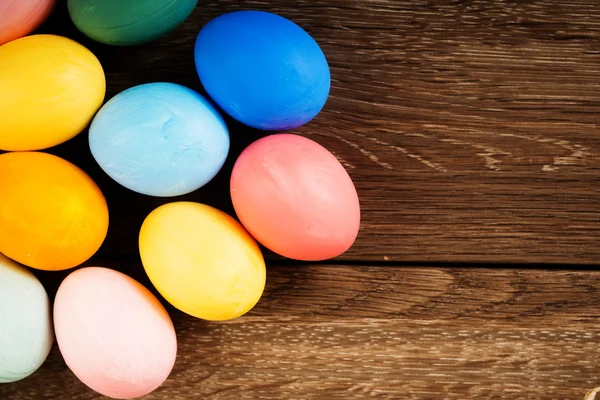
[262, 69]
[26, 334]
[53, 216]
[21, 17]
[159, 139]
[295, 198]
[50, 88]
[113, 333]
[202, 260]
[123, 23]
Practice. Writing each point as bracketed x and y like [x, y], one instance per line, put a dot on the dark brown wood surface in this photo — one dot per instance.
[471, 131]
[324, 332]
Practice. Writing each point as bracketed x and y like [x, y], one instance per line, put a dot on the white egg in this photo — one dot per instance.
[26, 334]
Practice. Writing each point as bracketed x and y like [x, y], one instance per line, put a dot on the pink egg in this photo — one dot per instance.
[295, 198]
[19, 18]
[113, 333]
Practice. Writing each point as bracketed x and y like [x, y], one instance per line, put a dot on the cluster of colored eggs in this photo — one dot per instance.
[160, 139]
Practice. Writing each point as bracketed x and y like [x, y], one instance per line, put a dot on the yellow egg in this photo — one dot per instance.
[53, 216]
[202, 260]
[50, 89]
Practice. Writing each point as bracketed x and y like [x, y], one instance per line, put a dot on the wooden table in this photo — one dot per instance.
[472, 132]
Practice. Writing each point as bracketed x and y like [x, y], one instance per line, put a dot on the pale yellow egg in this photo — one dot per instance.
[202, 261]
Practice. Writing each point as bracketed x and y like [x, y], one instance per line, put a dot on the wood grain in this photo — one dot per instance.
[323, 332]
[470, 128]
[471, 131]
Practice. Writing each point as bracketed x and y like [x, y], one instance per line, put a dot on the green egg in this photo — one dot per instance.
[128, 22]
[26, 332]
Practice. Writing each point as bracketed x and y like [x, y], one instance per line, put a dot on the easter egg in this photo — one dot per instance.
[53, 216]
[202, 261]
[159, 139]
[262, 69]
[21, 17]
[132, 22]
[25, 322]
[50, 88]
[295, 198]
[113, 333]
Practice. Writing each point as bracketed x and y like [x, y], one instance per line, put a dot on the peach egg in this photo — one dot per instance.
[295, 198]
[21, 17]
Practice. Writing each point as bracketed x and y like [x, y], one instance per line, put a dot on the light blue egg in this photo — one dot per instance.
[159, 139]
[26, 332]
[262, 69]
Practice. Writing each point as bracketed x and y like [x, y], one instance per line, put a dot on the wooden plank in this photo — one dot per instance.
[323, 332]
[469, 128]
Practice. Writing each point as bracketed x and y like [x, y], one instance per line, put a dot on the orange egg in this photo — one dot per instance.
[53, 216]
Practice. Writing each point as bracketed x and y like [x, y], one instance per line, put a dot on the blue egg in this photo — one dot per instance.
[159, 139]
[262, 69]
